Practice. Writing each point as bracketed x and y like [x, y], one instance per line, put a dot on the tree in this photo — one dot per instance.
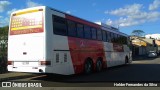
[138, 33]
[3, 40]
[3, 48]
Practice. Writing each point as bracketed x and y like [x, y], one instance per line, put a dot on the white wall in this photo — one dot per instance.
[155, 36]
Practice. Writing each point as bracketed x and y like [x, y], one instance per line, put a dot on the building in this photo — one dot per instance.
[154, 36]
[142, 45]
[158, 45]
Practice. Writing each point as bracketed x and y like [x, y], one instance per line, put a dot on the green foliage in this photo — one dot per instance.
[3, 40]
[4, 30]
[138, 33]
[3, 48]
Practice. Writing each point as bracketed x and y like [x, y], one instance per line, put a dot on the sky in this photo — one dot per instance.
[128, 15]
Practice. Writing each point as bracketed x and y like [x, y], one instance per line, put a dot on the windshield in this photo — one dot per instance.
[26, 22]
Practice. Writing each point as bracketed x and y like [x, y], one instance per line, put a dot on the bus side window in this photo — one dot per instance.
[59, 25]
[87, 32]
[99, 34]
[104, 35]
[71, 28]
[121, 40]
[108, 36]
[80, 32]
[125, 40]
[94, 33]
[112, 37]
[116, 38]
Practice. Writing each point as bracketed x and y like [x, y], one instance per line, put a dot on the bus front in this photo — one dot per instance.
[26, 40]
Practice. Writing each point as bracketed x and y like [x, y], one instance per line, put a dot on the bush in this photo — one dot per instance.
[3, 59]
[3, 48]
[3, 64]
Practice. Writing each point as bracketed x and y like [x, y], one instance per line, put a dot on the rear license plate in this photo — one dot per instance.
[25, 63]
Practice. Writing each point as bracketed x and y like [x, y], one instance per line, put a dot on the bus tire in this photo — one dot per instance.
[126, 60]
[88, 66]
[99, 65]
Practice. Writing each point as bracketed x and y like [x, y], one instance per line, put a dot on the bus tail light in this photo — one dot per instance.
[45, 62]
[10, 63]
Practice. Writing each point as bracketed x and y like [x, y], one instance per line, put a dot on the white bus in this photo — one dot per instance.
[45, 40]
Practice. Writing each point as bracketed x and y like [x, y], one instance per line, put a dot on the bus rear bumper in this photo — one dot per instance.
[28, 69]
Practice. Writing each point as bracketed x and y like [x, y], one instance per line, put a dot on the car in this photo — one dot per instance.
[152, 54]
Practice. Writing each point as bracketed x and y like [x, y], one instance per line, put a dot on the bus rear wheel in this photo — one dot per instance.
[126, 60]
[88, 67]
[99, 65]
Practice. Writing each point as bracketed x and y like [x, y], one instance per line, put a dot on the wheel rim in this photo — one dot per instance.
[126, 60]
[88, 67]
[99, 65]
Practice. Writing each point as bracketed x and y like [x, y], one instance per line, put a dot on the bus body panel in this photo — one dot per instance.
[115, 57]
[26, 47]
[81, 49]
[57, 49]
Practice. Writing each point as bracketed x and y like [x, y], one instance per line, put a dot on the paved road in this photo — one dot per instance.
[147, 70]
[140, 70]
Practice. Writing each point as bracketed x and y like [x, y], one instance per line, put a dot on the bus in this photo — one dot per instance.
[46, 40]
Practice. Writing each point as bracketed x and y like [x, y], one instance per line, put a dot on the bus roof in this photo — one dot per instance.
[111, 29]
[114, 30]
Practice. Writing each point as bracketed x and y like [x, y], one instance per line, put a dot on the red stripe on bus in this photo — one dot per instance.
[26, 31]
[83, 21]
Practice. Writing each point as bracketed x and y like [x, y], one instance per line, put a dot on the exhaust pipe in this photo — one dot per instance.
[40, 70]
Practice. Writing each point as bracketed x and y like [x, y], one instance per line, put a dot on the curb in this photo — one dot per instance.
[16, 77]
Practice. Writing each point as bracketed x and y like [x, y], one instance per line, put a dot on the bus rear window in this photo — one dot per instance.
[26, 22]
